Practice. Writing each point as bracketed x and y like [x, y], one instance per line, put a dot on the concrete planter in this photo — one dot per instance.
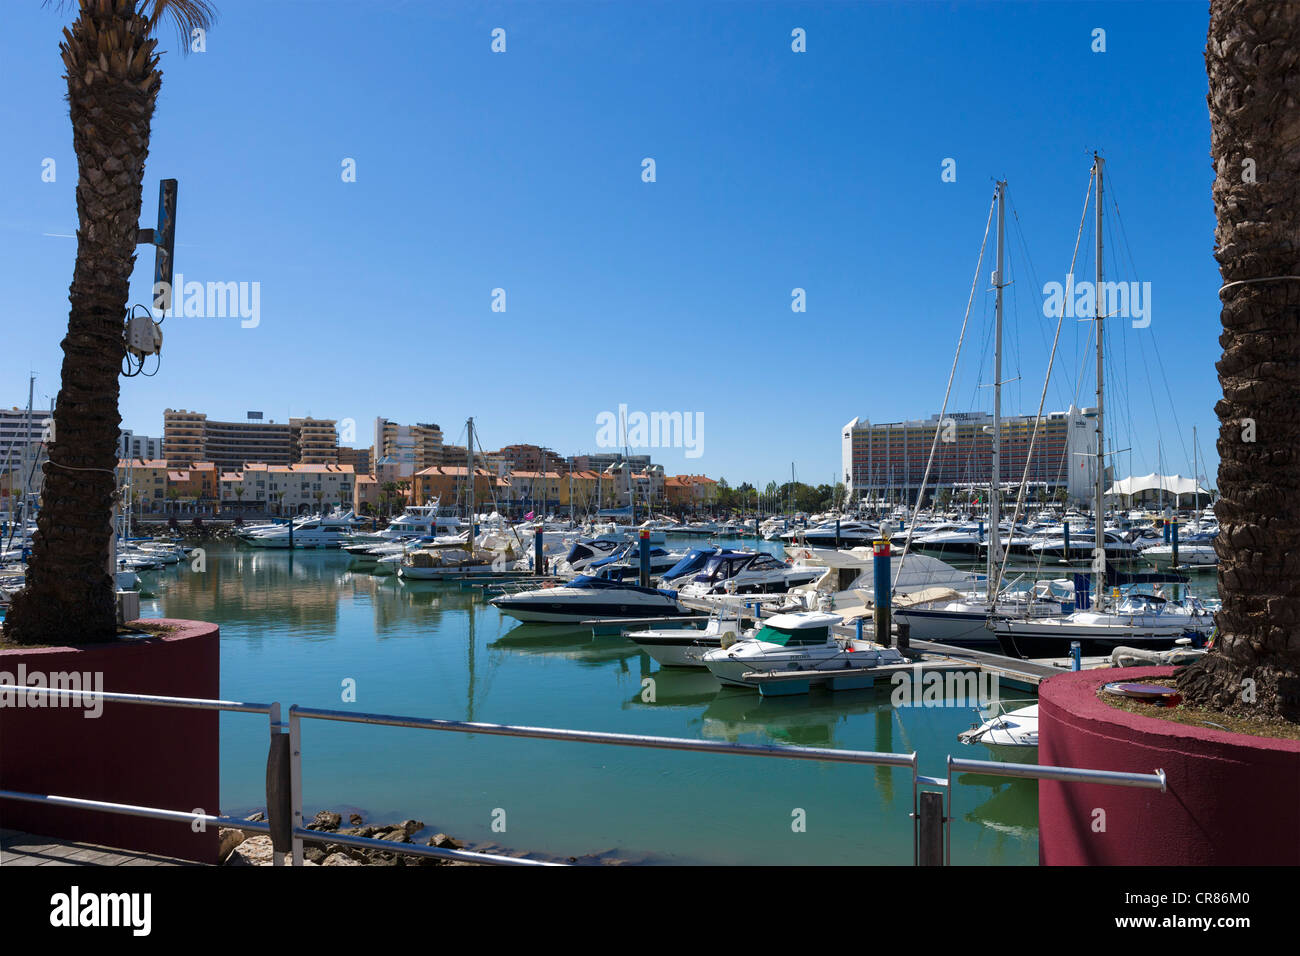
[1232, 799]
[146, 756]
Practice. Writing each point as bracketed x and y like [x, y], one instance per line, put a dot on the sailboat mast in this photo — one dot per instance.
[1100, 537]
[995, 536]
[469, 474]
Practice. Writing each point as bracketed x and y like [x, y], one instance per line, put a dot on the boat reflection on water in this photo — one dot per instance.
[567, 641]
[806, 721]
[676, 687]
[1011, 810]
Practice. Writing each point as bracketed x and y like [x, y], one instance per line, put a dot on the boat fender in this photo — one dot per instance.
[728, 639]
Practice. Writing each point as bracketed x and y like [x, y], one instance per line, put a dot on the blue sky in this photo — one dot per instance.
[522, 170]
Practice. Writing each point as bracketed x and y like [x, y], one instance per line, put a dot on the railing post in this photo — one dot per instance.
[930, 826]
[295, 781]
[273, 715]
[278, 816]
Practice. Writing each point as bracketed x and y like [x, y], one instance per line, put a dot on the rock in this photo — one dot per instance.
[412, 826]
[313, 853]
[229, 839]
[396, 834]
[444, 842]
[255, 851]
[339, 859]
[325, 820]
[355, 819]
[256, 817]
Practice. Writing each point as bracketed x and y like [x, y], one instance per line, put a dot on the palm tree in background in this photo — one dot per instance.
[1254, 126]
[113, 81]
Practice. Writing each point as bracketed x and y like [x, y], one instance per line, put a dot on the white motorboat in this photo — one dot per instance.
[800, 641]
[586, 551]
[964, 542]
[1010, 736]
[847, 534]
[322, 532]
[1195, 555]
[626, 564]
[686, 646]
[847, 578]
[588, 598]
[416, 521]
[1081, 546]
[747, 572]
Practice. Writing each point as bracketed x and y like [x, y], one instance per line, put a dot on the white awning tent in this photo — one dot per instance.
[1175, 485]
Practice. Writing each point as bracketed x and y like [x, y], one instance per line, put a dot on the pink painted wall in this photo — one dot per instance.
[147, 756]
[1231, 800]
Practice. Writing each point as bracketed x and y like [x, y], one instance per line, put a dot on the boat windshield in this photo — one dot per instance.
[798, 637]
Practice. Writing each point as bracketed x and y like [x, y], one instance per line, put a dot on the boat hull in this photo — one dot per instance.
[682, 648]
[1028, 642]
[948, 627]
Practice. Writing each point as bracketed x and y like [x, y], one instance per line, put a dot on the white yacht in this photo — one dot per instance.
[416, 521]
[1142, 621]
[798, 641]
[849, 534]
[587, 598]
[319, 532]
[747, 572]
[966, 620]
[1010, 736]
[1191, 554]
[686, 646]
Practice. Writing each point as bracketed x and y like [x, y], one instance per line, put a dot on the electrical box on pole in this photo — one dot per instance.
[143, 335]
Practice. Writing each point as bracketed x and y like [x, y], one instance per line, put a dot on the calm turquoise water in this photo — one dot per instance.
[295, 627]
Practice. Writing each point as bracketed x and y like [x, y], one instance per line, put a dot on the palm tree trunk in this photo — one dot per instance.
[1251, 59]
[112, 81]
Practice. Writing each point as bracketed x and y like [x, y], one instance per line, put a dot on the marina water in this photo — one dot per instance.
[301, 628]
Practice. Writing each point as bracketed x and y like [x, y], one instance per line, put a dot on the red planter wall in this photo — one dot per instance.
[147, 756]
[1231, 799]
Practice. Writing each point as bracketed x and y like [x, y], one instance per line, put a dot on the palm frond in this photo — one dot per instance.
[184, 15]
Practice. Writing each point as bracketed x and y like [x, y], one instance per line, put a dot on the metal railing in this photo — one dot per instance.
[926, 816]
[272, 711]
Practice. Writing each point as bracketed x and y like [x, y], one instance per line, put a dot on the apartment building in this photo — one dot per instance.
[288, 489]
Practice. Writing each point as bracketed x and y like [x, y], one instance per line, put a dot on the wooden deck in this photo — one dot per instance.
[26, 849]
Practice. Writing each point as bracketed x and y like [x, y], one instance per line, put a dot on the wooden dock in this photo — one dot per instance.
[26, 849]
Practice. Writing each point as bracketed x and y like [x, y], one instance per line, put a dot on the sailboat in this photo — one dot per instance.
[966, 620]
[1147, 621]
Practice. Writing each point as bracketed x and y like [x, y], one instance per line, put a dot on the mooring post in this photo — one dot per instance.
[1065, 526]
[1076, 656]
[880, 561]
[858, 628]
[1173, 539]
[539, 566]
[645, 557]
[930, 828]
[290, 532]
[837, 532]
